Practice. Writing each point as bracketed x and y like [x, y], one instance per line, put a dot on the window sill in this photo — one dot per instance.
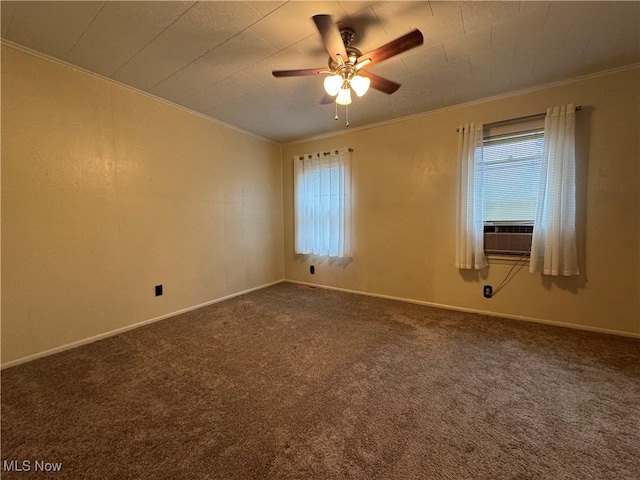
[496, 259]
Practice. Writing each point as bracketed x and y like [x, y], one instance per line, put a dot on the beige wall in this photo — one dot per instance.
[404, 183]
[107, 192]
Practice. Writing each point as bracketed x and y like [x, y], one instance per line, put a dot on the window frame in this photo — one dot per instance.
[510, 129]
[322, 204]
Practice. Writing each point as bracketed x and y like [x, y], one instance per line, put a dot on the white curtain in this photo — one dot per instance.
[322, 203]
[470, 228]
[553, 249]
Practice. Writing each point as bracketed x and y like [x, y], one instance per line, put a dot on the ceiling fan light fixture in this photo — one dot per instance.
[344, 96]
[360, 85]
[332, 84]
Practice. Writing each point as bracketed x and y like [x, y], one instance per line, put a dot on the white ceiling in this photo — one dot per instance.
[216, 57]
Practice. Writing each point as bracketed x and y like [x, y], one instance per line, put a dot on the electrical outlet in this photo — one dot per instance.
[158, 290]
[488, 291]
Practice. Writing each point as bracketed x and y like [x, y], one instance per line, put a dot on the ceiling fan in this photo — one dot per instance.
[347, 64]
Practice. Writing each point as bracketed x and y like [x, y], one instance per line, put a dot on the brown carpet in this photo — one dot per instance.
[289, 382]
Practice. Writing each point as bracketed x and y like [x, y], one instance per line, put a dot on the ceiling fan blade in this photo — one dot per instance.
[380, 83]
[393, 48]
[330, 36]
[299, 73]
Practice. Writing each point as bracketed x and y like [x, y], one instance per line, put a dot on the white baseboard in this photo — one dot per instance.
[483, 312]
[117, 331]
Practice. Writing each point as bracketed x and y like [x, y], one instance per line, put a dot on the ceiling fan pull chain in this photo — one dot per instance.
[346, 114]
[336, 117]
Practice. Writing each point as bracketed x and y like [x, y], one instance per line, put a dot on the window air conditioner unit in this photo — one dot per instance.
[507, 239]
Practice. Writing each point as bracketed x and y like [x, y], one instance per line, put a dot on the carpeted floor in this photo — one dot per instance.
[296, 383]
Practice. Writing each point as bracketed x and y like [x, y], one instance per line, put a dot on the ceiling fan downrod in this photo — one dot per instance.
[347, 34]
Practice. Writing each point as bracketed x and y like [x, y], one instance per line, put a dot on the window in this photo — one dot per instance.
[323, 203]
[503, 160]
[511, 169]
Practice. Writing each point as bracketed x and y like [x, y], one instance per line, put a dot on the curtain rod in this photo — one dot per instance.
[324, 154]
[519, 119]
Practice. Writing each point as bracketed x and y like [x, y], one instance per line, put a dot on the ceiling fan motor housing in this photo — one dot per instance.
[352, 53]
[348, 35]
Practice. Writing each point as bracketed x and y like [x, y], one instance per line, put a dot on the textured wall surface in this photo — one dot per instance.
[107, 192]
[405, 193]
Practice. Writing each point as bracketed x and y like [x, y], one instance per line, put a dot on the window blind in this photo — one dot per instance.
[512, 165]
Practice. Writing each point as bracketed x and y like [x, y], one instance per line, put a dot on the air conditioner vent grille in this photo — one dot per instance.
[508, 229]
[507, 239]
